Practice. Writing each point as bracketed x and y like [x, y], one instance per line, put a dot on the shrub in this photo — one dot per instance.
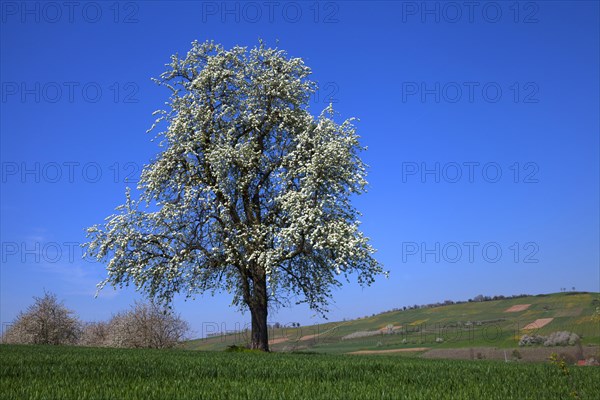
[527, 340]
[234, 348]
[562, 338]
[516, 354]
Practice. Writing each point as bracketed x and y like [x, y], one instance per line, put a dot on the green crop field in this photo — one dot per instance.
[47, 372]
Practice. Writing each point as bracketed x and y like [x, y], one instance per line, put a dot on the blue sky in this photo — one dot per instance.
[482, 126]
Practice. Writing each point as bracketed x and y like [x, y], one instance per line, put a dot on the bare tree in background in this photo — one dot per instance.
[95, 334]
[146, 325]
[46, 321]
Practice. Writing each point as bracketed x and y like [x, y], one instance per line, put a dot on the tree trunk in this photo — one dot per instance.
[258, 311]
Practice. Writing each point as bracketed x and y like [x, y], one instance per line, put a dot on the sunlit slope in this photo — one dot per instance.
[498, 323]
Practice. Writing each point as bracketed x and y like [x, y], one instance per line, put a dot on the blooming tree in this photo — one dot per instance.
[46, 321]
[147, 325]
[251, 193]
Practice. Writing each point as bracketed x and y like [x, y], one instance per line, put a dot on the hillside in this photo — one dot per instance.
[483, 326]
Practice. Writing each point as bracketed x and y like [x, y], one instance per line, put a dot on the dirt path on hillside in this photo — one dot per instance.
[316, 335]
[313, 336]
[389, 351]
[278, 340]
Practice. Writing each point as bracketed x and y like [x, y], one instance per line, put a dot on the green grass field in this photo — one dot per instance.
[466, 325]
[47, 372]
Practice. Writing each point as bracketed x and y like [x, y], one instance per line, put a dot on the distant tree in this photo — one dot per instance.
[46, 321]
[479, 297]
[95, 334]
[146, 325]
[251, 194]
